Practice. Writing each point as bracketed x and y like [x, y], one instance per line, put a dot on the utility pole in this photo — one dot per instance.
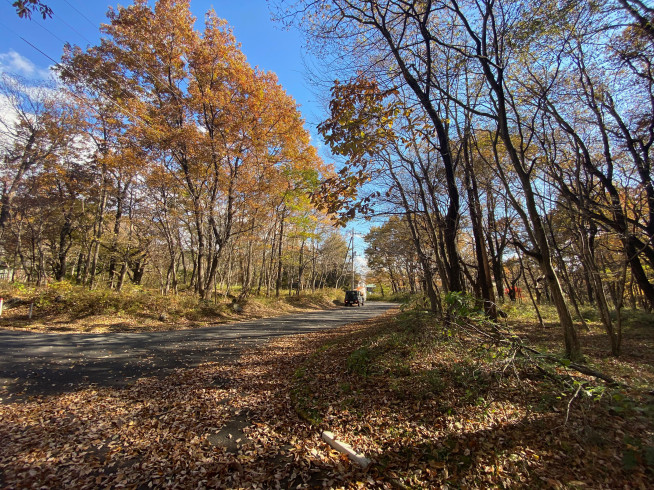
[352, 245]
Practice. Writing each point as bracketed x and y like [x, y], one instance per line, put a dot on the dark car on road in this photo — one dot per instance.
[354, 297]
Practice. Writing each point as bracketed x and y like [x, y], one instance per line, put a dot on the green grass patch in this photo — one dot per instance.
[636, 320]
[359, 361]
[403, 298]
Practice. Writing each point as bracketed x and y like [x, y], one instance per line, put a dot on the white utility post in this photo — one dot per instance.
[352, 245]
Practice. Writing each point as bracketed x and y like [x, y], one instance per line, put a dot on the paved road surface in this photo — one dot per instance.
[39, 363]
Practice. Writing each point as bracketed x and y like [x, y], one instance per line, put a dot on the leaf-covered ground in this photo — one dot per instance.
[430, 407]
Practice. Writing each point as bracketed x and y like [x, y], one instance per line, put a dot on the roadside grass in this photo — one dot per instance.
[634, 367]
[64, 307]
[393, 297]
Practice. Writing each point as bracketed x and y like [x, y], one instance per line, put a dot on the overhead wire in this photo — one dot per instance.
[74, 75]
[61, 19]
[145, 69]
[81, 14]
[135, 59]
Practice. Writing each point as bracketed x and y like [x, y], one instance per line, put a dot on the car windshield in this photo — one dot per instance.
[350, 295]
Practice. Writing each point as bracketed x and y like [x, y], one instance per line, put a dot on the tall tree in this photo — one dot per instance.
[218, 127]
[33, 129]
[444, 51]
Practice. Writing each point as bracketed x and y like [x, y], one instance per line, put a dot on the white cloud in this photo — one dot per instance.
[16, 64]
[7, 119]
[361, 264]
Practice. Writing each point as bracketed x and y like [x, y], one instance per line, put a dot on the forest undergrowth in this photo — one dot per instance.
[64, 307]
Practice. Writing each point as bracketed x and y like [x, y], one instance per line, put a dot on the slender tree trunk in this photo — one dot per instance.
[278, 285]
[533, 221]
[63, 248]
[121, 276]
[199, 276]
[99, 224]
[483, 268]
[434, 299]
[79, 264]
[113, 251]
[600, 297]
[531, 296]
[565, 276]
[300, 270]
[496, 249]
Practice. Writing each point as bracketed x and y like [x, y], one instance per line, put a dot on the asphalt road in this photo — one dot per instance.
[42, 364]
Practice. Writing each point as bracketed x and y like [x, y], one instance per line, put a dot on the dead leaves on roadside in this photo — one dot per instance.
[429, 417]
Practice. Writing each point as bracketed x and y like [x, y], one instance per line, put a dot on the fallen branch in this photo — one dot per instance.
[494, 333]
[573, 365]
[567, 412]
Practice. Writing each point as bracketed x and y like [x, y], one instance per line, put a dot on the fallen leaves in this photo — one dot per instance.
[427, 418]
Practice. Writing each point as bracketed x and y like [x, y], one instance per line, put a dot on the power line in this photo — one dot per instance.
[81, 14]
[135, 59]
[73, 75]
[49, 32]
[60, 18]
[77, 78]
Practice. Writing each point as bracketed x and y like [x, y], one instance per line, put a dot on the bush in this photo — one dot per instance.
[462, 305]
[359, 361]
[401, 297]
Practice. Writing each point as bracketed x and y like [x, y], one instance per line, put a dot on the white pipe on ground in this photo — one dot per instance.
[344, 448]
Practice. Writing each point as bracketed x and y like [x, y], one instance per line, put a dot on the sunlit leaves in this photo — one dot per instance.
[361, 119]
[222, 137]
[360, 125]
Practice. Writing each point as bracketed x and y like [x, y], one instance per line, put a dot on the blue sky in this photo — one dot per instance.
[263, 41]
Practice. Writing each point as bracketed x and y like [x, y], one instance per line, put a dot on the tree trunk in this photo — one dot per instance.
[483, 268]
[99, 223]
[278, 285]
